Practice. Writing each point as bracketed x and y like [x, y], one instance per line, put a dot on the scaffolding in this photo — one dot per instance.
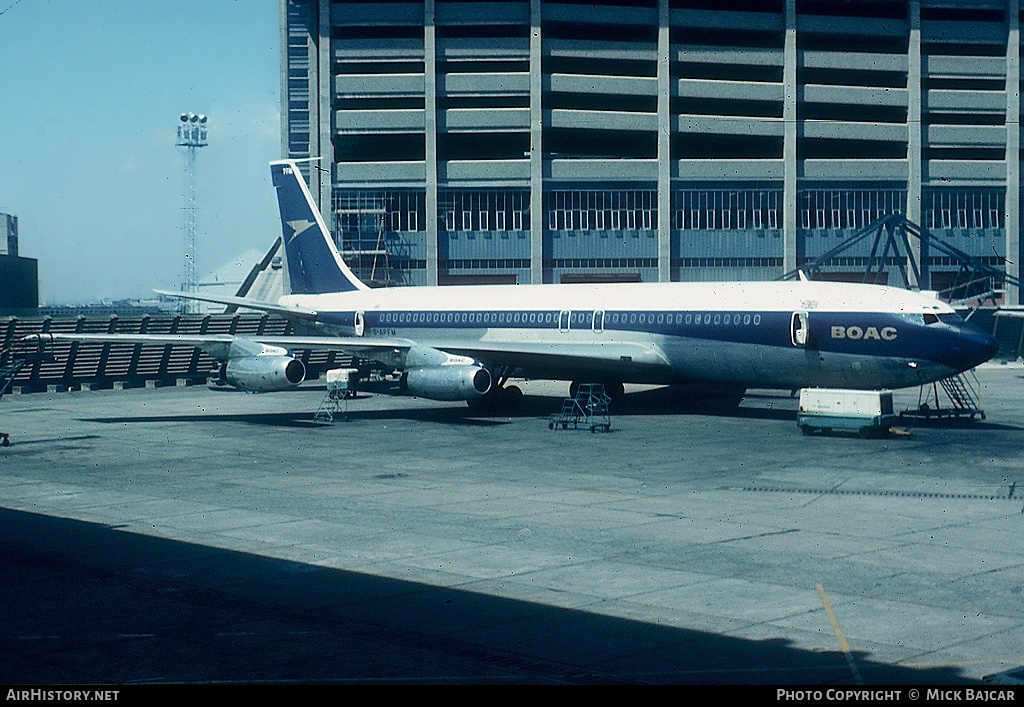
[375, 230]
[361, 223]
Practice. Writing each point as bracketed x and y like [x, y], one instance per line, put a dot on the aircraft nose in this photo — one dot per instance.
[977, 347]
[991, 347]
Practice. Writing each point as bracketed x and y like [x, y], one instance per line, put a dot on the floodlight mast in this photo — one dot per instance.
[191, 136]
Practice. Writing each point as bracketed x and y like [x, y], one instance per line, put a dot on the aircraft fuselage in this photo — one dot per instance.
[759, 334]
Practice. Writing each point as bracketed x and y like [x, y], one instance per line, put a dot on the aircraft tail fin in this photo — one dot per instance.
[313, 264]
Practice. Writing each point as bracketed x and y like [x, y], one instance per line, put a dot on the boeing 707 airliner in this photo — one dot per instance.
[466, 342]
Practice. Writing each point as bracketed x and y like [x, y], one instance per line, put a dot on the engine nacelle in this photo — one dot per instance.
[264, 374]
[449, 382]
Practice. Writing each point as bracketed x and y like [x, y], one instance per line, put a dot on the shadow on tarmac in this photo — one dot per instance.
[87, 603]
[668, 400]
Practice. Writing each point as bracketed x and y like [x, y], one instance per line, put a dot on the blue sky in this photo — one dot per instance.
[91, 94]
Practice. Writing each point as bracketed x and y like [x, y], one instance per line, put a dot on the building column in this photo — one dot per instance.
[1013, 211]
[536, 149]
[322, 172]
[789, 194]
[664, 145]
[430, 135]
[915, 154]
[282, 24]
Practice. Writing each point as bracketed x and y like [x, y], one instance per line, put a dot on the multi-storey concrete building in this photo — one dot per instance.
[551, 141]
[19, 277]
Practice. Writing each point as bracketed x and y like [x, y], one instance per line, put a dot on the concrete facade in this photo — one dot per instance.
[537, 141]
[8, 235]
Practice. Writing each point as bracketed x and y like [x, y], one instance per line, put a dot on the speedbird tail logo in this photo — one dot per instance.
[299, 227]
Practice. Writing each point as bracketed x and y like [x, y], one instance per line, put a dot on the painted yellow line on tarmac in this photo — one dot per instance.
[839, 634]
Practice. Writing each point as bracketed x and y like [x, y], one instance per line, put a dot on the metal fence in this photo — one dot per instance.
[95, 366]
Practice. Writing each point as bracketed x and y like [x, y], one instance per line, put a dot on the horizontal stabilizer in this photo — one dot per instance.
[230, 300]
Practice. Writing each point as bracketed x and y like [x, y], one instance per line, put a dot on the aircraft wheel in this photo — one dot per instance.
[512, 397]
[615, 391]
[5, 441]
[806, 429]
[710, 398]
[498, 400]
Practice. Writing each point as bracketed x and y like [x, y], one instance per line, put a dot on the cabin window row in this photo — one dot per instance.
[716, 318]
[575, 319]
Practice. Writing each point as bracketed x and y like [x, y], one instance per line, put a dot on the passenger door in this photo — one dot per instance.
[798, 329]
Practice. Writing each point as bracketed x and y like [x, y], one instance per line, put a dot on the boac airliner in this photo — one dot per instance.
[467, 342]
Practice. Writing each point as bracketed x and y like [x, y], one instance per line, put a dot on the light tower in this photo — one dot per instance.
[191, 136]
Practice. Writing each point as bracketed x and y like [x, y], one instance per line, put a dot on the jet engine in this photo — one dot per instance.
[264, 374]
[439, 375]
[452, 382]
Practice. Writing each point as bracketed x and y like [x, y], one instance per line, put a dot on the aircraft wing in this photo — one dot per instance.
[219, 346]
[301, 315]
[620, 360]
[576, 361]
[522, 359]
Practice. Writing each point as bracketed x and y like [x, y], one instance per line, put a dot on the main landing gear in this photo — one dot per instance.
[720, 399]
[613, 389]
[500, 399]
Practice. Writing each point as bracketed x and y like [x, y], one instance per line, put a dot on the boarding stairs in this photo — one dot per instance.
[589, 409]
[7, 374]
[962, 400]
[334, 403]
[340, 388]
[8, 371]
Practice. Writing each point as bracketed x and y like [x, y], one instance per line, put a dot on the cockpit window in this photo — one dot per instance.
[951, 318]
[930, 318]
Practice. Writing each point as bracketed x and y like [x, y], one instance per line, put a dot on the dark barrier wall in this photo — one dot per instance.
[19, 283]
[74, 366]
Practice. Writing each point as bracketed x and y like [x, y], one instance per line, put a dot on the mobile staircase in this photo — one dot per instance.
[589, 408]
[7, 373]
[340, 387]
[962, 397]
[12, 361]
